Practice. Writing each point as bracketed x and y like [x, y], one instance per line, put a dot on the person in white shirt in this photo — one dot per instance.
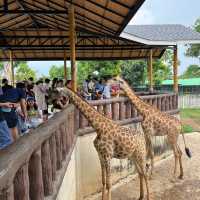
[107, 89]
[40, 93]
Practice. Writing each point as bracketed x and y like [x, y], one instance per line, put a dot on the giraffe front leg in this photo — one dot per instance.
[141, 187]
[103, 170]
[147, 126]
[108, 179]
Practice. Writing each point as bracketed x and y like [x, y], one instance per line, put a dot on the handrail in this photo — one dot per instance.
[28, 167]
[121, 108]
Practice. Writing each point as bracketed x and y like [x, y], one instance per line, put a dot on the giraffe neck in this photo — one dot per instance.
[97, 120]
[139, 104]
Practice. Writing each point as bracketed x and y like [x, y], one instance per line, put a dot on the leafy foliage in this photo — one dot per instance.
[56, 72]
[15, 64]
[193, 71]
[193, 50]
[134, 72]
[161, 71]
[24, 72]
[104, 68]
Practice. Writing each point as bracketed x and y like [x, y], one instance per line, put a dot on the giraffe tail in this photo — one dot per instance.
[187, 150]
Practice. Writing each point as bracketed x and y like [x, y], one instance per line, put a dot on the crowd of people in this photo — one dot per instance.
[95, 89]
[27, 105]
[31, 103]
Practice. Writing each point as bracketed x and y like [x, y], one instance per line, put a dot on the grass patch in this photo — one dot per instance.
[192, 113]
[187, 128]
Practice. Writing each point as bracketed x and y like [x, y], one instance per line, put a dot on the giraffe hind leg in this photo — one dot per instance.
[150, 150]
[180, 162]
[140, 166]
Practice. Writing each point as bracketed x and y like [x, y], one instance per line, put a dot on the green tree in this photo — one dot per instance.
[193, 50]
[23, 72]
[104, 68]
[161, 71]
[15, 64]
[193, 71]
[85, 68]
[57, 72]
[134, 72]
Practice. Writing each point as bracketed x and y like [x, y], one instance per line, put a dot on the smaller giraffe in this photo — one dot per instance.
[157, 123]
[113, 141]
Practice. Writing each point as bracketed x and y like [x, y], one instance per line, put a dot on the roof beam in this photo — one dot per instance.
[94, 13]
[50, 12]
[5, 5]
[23, 7]
[105, 8]
[121, 4]
[89, 20]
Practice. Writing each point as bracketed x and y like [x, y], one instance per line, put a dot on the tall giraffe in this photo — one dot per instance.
[157, 123]
[113, 141]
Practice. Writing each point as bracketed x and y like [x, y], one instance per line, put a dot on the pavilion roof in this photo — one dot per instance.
[51, 46]
[165, 34]
[98, 16]
[39, 30]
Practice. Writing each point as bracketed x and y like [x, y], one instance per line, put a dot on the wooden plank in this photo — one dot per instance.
[35, 177]
[47, 169]
[175, 69]
[53, 155]
[21, 183]
[12, 69]
[72, 48]
[150, 70]
[65, 66]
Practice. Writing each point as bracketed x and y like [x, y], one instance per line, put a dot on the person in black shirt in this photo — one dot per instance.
[5, 136]
[17, 97]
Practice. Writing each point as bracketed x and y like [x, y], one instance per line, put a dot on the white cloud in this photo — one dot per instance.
[143, 16]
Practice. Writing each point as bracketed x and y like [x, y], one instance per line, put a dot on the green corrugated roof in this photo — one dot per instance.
[184, 82]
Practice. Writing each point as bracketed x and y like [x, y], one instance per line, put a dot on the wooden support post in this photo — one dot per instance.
[12, 68]
[21, 183]
[65, 66]
[53, 155]
[7, 193]
[150, 70]
[175, 69]
[35, 177]
[47, 169]
[72, 48]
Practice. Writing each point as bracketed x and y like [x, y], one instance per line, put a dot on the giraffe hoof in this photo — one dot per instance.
[181, 177]
[141, 198]
[173, 180]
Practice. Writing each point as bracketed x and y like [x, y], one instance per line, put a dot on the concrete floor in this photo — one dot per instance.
[163, 186]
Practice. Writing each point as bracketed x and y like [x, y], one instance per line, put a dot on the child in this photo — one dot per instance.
[33, 113]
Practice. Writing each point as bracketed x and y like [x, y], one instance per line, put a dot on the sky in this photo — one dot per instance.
[153, 12]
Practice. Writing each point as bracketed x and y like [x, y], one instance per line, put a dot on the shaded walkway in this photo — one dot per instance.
[162, 186]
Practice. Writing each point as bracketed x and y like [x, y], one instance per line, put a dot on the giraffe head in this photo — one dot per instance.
[64, 91]
[123, 84]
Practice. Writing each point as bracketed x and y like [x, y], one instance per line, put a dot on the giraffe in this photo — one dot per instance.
[157, 123]
[113, 141]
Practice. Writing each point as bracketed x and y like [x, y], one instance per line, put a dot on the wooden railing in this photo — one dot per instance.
[28, 168]
[123, 110]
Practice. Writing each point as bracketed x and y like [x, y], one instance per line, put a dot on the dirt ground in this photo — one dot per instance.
[163, 186]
